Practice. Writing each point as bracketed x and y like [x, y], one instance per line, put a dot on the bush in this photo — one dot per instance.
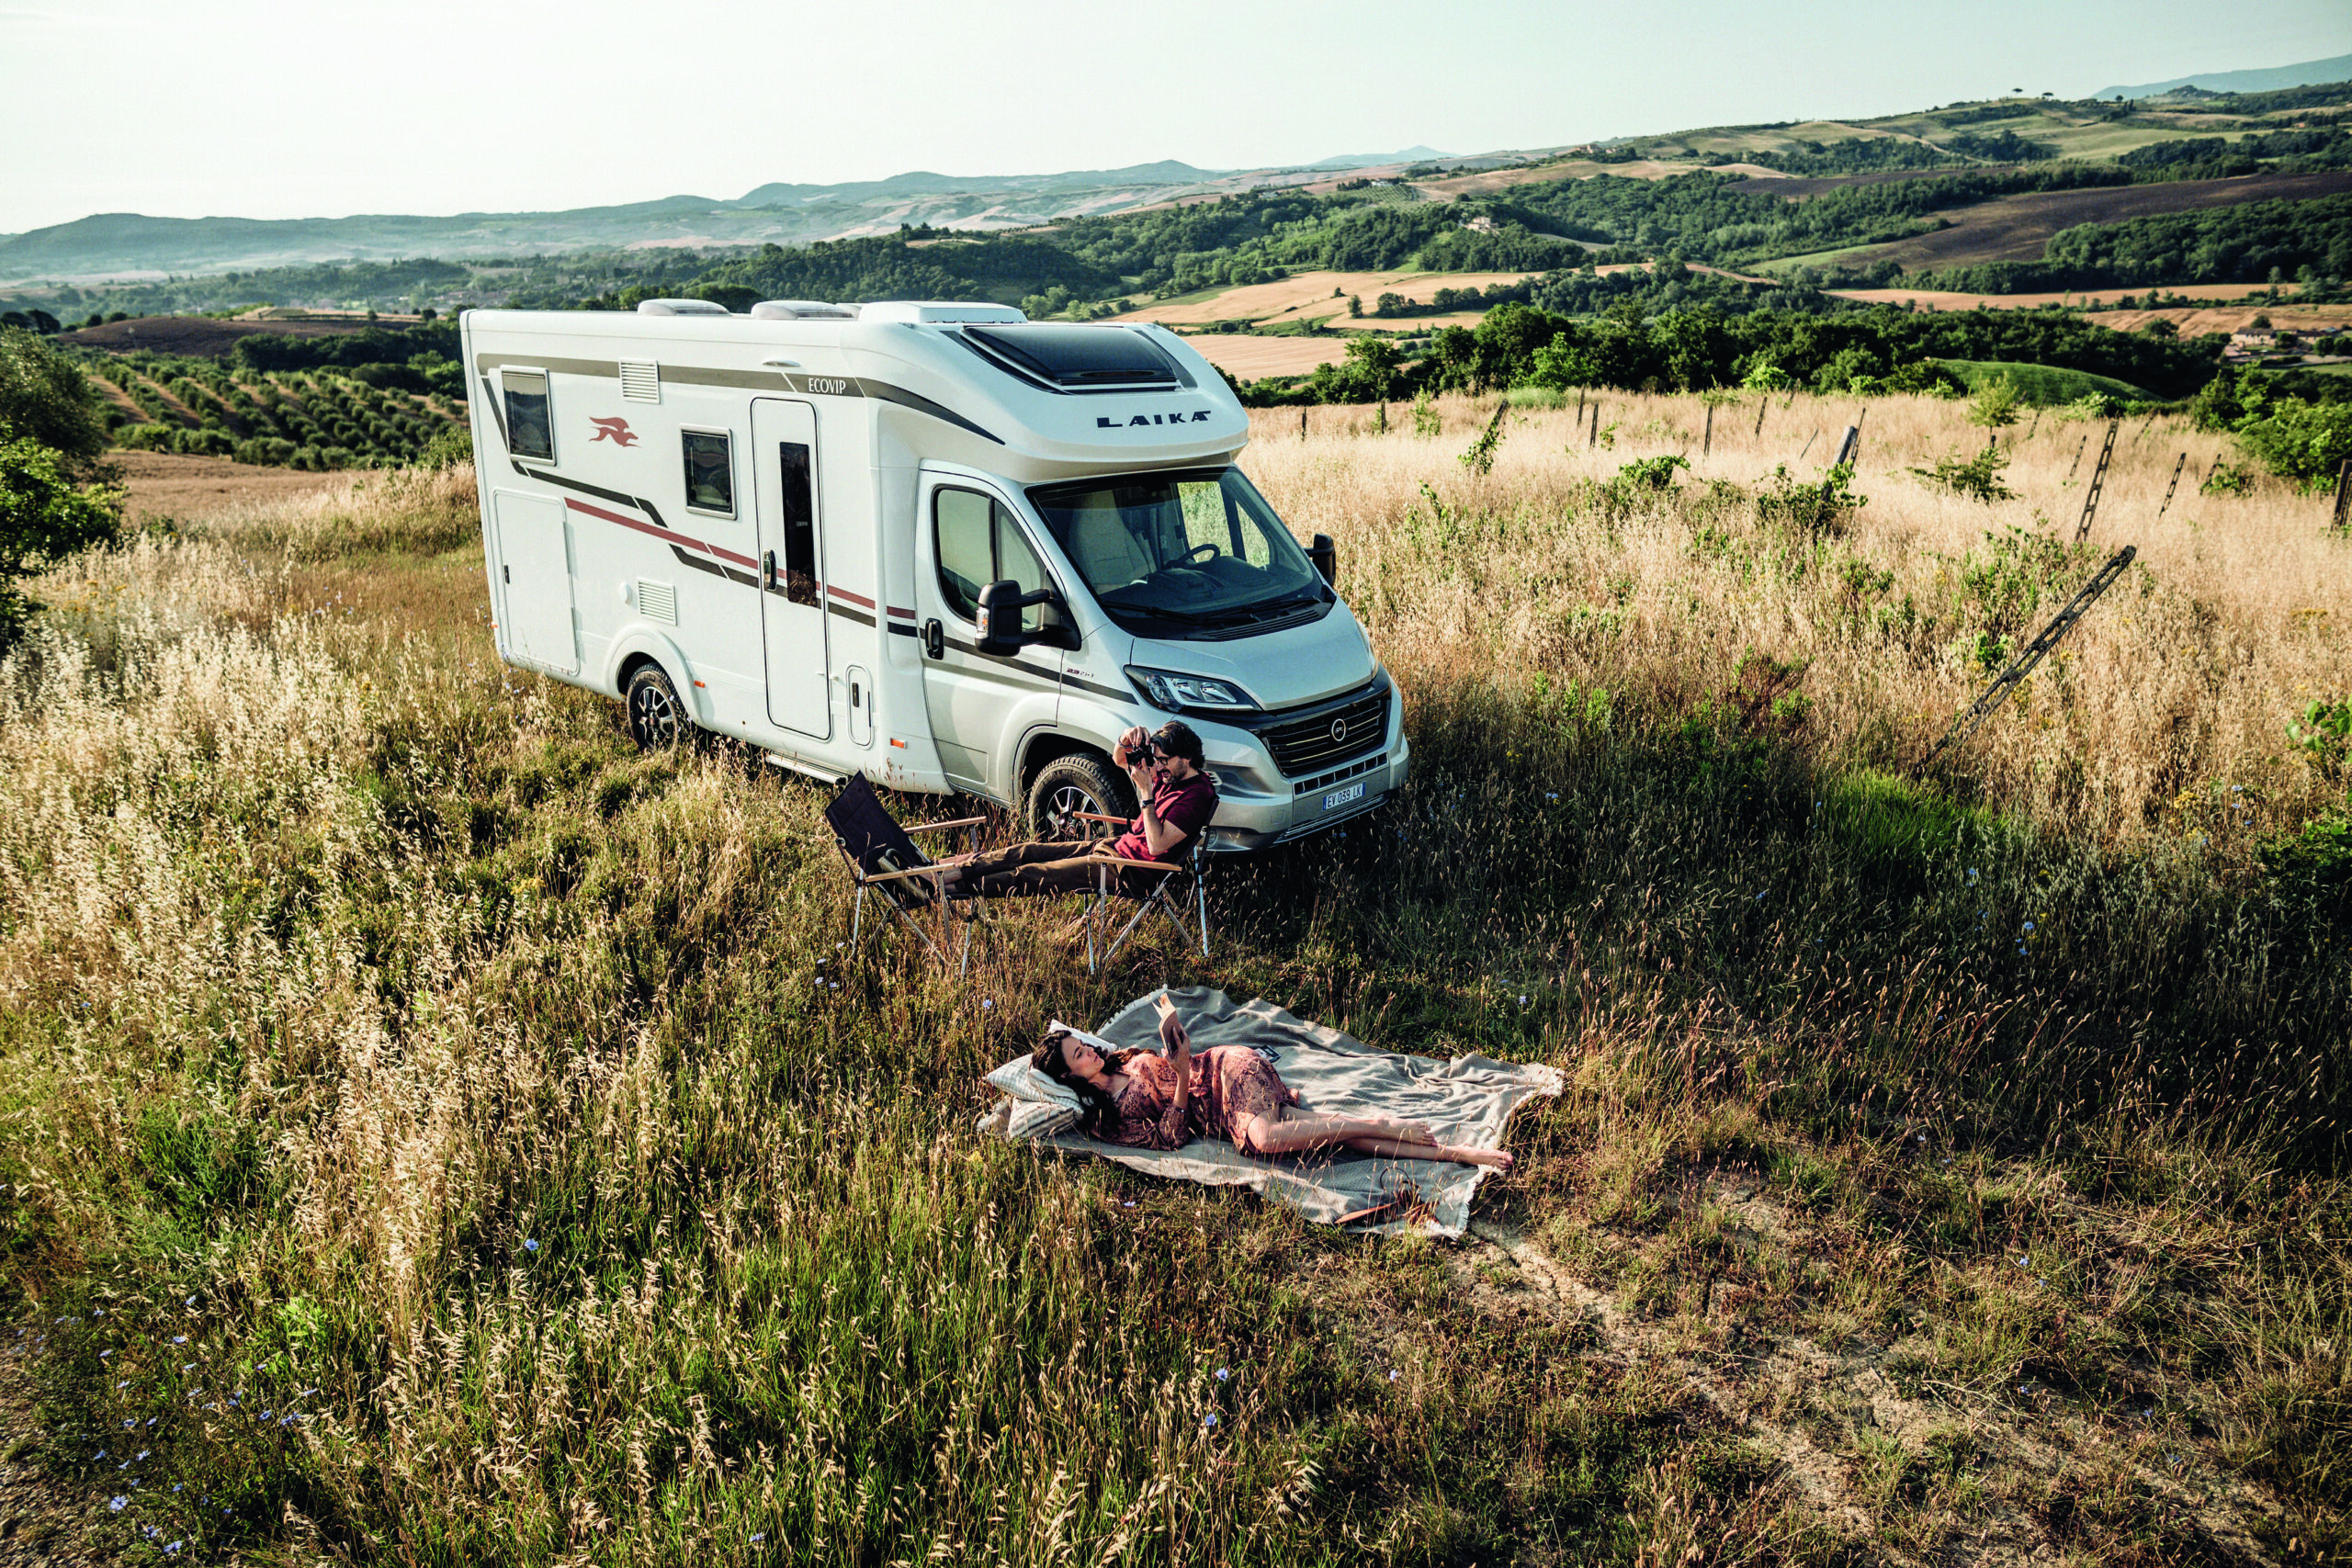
[44, 398]
[45, 516]
[450, 446]
[147, 437]
[1979, 477]
[2307, 443]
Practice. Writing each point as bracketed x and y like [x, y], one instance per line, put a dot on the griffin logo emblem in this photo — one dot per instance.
[615, 430]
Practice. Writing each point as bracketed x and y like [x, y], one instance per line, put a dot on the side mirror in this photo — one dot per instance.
[1001, 609]
[1325, 558]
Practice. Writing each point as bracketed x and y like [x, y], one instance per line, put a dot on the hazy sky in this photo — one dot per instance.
[190, 108]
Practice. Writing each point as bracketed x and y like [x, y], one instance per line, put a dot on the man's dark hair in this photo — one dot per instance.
[1175, 738]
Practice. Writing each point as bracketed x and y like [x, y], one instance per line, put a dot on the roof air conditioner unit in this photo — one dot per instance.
[680, 307]
[802, 310]
[966, 312]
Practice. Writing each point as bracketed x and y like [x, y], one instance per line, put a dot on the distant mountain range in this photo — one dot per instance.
[2278, 78]
[118, 244]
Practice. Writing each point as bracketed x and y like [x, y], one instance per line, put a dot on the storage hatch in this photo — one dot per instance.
[1069, 357]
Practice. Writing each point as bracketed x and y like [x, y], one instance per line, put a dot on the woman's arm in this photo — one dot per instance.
[1174, 1034]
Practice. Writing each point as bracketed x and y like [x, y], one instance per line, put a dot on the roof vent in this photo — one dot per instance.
[680, 307]
[949, 312]
[1066, 357]
[802, 310]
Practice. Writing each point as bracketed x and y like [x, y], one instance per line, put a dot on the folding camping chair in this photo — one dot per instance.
[883, 858]
[1163, 895]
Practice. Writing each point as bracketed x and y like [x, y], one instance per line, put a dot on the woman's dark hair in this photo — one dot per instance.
[1098, 1114]
[1176, 738]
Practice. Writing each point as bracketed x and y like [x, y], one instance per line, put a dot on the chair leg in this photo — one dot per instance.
[1201, 894]
[1120, 941]
[921, 935]
[964, 969]
[857, 918]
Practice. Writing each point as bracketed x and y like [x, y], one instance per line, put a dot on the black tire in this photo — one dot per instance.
[1079, 782]
[657, 719]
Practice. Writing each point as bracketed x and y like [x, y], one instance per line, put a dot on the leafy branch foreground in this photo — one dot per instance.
[433, 1133]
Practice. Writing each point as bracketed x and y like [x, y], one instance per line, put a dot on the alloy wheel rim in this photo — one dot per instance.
[1063, 806]
[657, 719]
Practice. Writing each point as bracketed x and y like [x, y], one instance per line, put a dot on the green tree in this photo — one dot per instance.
[45, 516]
[1995, 404]
[44, 398]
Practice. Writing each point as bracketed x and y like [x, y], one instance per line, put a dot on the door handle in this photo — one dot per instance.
[767, 571]
[934, 639]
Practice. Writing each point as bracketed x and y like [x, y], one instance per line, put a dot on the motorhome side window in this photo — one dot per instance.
[978, 542]
[530, 429]
[798, 492]
[711, 472]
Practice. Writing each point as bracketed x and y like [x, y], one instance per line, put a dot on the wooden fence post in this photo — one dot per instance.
[2343, 495]
[2172, 486]
[1761, 404]
[1708, 443]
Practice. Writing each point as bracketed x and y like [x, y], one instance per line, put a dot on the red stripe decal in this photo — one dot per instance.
[906, 615]
[858, 599]
[660, 532]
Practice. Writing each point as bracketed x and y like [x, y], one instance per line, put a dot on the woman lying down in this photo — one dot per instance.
[1226, 1091]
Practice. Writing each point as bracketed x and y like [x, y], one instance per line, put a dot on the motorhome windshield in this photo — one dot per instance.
[1166, 554]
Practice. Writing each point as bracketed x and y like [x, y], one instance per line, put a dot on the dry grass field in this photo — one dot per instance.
[1938, 299]
[431, 1131]
[1311, 296]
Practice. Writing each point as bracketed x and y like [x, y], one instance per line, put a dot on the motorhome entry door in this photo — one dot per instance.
[792, 565]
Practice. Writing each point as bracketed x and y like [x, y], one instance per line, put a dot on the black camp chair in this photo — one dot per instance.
[883, 858]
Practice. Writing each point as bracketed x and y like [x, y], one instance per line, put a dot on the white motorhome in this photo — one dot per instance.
[937, 544]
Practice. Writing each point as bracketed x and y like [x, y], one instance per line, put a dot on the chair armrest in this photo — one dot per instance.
[1124, 863]
[912, 870]
[1098, 817]
[959, 822]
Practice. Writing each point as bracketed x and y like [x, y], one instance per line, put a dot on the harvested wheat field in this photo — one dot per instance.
[165, 484]
[1939, 299]
[431, 1130]
[1309, 296]
[1250, 358]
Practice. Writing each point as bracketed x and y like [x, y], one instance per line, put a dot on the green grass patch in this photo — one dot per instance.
[2046, 386]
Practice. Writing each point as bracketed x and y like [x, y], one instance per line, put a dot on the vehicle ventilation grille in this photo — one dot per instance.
[1258, 628]
[658, 602]
[1332, 736]
[640, 381]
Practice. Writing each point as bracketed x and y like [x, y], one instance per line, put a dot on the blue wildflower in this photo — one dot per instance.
[529, 1245]
[1222, 1374]
[118, 1503]
[1208, 1422]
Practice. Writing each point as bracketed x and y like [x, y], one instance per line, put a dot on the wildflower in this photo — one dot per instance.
[191, 1302]
[103, 1354]
[188, 1366]
[1394, 1375]
[2021, 1263]
[123, 1384]
[142, 1454]
[1127, 1203]
[759, 1537]
[1208, 1422]
[988, 1002]
[173, 1549]
[98, 1312]
[1222, 1374]
[2029, 925]
[179, 1486]
[529, 1245]
[179, 1338]
[1522, 998]
[118, 1503]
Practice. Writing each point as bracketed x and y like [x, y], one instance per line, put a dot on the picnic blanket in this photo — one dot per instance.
[1467, 1100]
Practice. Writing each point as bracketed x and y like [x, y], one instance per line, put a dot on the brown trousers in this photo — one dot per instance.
[1042, 866]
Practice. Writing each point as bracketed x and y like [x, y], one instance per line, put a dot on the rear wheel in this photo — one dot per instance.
[1067, 785]
[657, 719]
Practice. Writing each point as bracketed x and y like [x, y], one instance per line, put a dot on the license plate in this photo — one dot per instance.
[1341, 796]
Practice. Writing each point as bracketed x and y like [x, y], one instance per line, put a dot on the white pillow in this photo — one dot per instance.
[1041, 1106]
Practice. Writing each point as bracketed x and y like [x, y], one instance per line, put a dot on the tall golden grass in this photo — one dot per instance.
[443, 1135]
[2236, 614]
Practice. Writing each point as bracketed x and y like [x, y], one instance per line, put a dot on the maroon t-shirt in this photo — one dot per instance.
[1185, 806]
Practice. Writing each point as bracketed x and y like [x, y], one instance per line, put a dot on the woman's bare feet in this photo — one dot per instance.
[1499, 1159]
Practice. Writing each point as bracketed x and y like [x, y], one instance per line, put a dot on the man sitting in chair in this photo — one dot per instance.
[1177, 798]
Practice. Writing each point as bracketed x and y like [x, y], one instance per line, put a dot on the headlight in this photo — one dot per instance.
[1175, 693]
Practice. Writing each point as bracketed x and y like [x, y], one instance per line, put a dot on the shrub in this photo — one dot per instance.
[44, 398]
[448, 447]
[2307, 443]
[1979, 477]
[1995, 404]
[45, 516]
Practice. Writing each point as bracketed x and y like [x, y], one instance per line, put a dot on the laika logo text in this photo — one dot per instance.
[1104, 422]
[615, 430]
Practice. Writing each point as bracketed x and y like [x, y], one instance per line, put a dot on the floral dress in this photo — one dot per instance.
[1231, 1084]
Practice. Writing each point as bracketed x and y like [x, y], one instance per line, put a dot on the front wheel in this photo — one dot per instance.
[1067, 785]
[657, 719]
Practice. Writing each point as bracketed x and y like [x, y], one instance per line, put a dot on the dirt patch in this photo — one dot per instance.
[2018, 228]
[164, 484]
[203, 336]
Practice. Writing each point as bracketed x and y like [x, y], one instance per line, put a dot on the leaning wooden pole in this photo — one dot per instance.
[2098, 482]
[2174, 486]
[2007, 680]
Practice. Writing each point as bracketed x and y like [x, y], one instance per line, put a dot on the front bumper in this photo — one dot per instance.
[1259, 807]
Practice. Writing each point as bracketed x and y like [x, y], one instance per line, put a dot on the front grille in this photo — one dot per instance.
[1340, 775]
[1308, 745]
